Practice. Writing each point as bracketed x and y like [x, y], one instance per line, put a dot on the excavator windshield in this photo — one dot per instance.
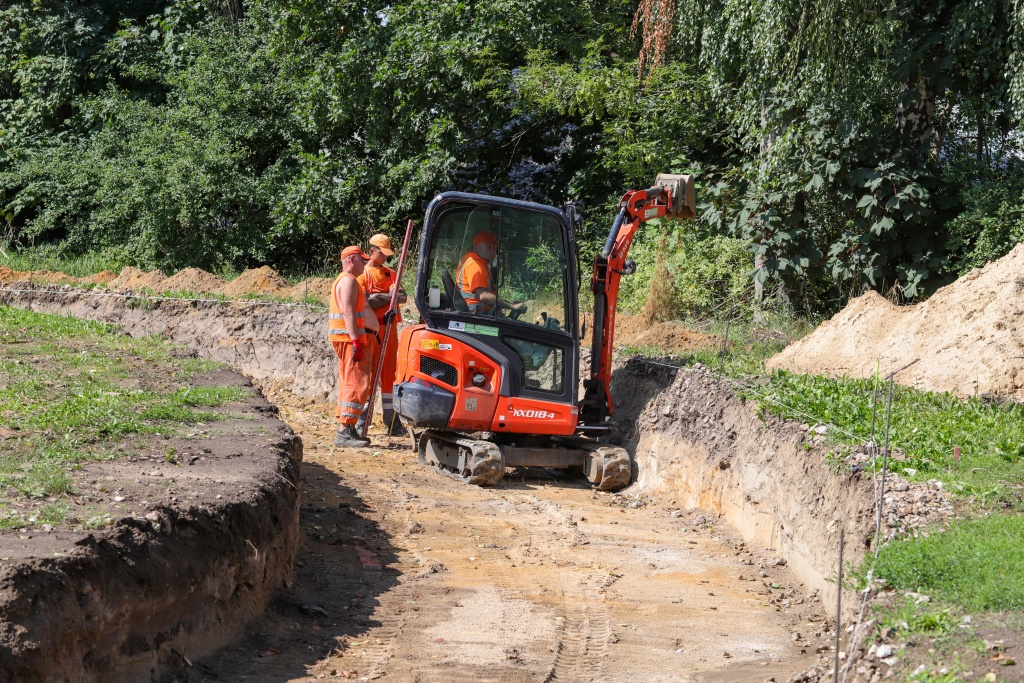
[516, 255]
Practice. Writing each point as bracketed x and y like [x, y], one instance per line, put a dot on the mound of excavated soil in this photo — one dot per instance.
[320, 287]
[56, 277]
[634, 330]
[133, 278]
[263, 280]
[103, 277]
[194, 280]
[967, 339]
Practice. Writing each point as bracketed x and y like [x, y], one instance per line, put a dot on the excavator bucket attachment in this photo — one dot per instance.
[684, 202]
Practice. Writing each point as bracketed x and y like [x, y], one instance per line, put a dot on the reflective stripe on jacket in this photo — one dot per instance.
[336, 328]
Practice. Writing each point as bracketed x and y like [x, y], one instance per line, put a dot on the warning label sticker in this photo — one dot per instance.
[430, 344]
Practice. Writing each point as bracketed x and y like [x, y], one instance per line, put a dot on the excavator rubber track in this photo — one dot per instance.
[474, 461]
[481, 462]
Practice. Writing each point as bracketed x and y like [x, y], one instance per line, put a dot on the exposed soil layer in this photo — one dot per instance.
[698, 442]
[968, 338]
[713, 567]
[198, 548]
[635, 330]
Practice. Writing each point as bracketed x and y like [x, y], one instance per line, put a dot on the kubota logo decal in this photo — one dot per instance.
[535, 414]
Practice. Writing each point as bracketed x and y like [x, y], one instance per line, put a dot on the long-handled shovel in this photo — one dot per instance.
[375, 378]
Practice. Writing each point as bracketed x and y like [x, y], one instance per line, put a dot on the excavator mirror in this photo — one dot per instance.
[684, 202]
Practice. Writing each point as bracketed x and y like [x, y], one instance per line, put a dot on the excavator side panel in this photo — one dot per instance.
[428, 357]
[521, 415]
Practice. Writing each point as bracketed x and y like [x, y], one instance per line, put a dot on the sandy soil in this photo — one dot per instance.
[194, 280]
[264, 280]
[133, 278]
[407, 575]
[635, 330]
[968, 338]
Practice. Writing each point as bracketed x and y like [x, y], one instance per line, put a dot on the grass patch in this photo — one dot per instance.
[73, 390]
[55, 258]
[925, 428]
[976, 564]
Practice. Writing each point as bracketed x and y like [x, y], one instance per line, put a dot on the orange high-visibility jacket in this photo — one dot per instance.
[474, 273]
[378, 281]
[337, 330]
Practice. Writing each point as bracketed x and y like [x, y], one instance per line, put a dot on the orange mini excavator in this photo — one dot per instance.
[490, 379]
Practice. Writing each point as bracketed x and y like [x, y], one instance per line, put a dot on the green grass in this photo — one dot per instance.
[975, 564]
[72, 390]
[925, 426]
[55, 258]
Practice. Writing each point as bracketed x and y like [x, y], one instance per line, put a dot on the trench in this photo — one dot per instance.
[695, 442]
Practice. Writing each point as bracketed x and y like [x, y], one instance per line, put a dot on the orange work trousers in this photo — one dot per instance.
[353, 379]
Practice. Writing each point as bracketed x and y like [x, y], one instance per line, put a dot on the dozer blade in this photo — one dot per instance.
[470, 460]
[608, 468]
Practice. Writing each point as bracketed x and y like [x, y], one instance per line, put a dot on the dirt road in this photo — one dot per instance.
[406, 575]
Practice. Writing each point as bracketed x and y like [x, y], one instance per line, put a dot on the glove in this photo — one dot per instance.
[357, 351]
[389, 317]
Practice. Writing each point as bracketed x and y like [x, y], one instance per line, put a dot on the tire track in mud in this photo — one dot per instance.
[583, 640]
[513, 584]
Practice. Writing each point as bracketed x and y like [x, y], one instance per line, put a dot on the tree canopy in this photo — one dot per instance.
[847, 144]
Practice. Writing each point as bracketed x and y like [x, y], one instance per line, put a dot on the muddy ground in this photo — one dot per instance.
[407, 575]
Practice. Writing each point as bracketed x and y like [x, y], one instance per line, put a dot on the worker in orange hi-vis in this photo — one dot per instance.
[353, 333]
[474, 279]
[379, 282]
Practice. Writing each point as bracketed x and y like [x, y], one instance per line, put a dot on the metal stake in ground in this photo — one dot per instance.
[885, 464]
[721, 360]
[839, 605]
[375, 378]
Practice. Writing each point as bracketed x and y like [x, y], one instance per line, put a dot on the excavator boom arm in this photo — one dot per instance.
[673, 195]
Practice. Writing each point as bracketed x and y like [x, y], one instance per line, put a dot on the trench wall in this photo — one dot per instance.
[696, 441]
[286, 345]
[133, 602]
[692, 439]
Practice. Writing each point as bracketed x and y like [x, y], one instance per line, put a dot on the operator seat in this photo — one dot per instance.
[455, 296]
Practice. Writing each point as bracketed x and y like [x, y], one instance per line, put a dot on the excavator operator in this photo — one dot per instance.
[476, 286]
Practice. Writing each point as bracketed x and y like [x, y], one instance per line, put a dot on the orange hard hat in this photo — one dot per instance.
[485, 237]
[353, 251]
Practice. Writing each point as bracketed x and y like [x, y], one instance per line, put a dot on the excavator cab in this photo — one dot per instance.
[534, 348]
[490, 378]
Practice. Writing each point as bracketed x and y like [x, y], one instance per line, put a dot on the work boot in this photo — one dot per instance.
[348, 437]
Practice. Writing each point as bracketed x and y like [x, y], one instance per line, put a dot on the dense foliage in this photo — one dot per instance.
[843, 144]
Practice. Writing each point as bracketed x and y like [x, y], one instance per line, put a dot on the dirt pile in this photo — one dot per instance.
[104, 277]
[264, 280]
[319, 287]
[194, 280]
[968, 338]
[669, 337]
[133, 278]
[56, 277]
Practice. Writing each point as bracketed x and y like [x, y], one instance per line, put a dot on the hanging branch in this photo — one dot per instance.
[654, 20]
